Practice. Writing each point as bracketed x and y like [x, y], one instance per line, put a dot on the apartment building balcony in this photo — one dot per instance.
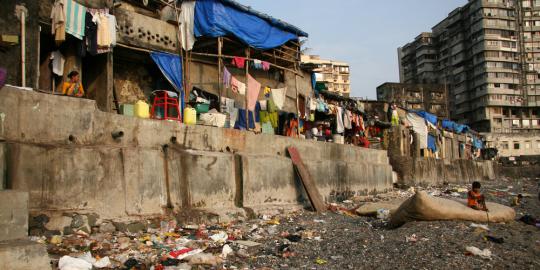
[458, 70]
[499, 103]
[463, 108]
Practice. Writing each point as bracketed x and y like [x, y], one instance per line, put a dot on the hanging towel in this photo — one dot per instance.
[347, 119]
[271, 106]
[226, 78]
[267, 128]
[263, 104]
[419, 127]
[339, 120]
[75, 19]
[58, 63]
[257, 64]
[254, 87]
[239, 62]
[112, 29]
[103, 34]
[265, 65]
[278, 95]
[187, 16]
[238, 86]
[58, 17]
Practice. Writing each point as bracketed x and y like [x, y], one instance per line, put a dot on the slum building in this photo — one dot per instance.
[124, 71]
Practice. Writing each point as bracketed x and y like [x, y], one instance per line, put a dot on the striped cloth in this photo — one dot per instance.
[75, 18]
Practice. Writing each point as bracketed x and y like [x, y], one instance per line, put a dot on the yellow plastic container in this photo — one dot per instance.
[142, 109]
[190, 116]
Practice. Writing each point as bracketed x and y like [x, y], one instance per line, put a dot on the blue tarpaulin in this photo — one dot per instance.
[216, 18]
[431, 143]
[477, 143]
[171, 67]
[448, 124]
[455, 127]
[459, 128]
[428, 116]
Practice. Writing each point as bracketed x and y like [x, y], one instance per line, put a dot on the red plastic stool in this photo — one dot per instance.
[167, 102]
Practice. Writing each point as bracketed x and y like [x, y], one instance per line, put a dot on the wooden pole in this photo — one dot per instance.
[220, 72]
[180, 53]
[297, 105]
[249, 59]
[246, 93]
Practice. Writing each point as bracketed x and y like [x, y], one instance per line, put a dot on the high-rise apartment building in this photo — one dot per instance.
[487, 54]
[333, 74]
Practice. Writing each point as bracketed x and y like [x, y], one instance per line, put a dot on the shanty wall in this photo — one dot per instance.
[413, 169]
[61, 151]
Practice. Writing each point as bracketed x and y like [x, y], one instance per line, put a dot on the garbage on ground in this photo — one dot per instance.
[56, 239]
[205, 259]
[481, 226]
[498, 240]
[320, 261]
[70, 263]
[383, 213]
[226, 251]
[485, 254]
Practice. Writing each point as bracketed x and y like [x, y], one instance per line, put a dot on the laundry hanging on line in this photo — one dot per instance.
[237, 86]
[278, 96]
[253, 88]
[239, 62]
[226, 78]
[75, 18]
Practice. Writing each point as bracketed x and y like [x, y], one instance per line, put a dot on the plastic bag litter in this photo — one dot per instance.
[70, 263]
[102, 263]
[191, 253]
[205, 259]
[481, 226]
[383, 213]
[226, 251]
[219, 237]
[485, 254]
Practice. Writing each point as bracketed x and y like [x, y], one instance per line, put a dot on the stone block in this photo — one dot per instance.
[13, 215]
[23, 255]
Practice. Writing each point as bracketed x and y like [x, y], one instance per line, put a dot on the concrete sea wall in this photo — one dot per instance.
[61, 151]
[431, 171]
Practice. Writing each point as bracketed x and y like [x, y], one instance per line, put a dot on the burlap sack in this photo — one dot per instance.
[421, 206]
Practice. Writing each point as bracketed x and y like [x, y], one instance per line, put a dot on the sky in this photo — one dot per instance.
[364, 33]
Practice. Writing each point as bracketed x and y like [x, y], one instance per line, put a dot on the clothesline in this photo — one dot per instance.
[246, 58]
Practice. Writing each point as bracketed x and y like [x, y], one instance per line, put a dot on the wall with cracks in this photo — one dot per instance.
[61, 150]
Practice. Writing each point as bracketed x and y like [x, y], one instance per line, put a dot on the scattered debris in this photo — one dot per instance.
[485, 254]
[481, 226]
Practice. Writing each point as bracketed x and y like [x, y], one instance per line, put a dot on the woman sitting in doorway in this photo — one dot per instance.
[74, 87]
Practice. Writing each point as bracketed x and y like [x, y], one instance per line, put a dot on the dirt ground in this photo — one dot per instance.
[333, 240]
[367, 243]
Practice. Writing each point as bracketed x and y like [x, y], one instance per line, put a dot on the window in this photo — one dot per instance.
[505, 145]
[527, 144]
[538, 144]
[516, 145]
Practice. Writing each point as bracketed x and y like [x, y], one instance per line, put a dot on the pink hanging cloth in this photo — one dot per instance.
[265, 66]
[253, 89]
[239, 62]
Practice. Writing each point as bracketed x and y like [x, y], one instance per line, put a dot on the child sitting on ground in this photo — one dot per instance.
[475, 199]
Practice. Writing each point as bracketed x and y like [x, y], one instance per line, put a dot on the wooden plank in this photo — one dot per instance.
[309, 185]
